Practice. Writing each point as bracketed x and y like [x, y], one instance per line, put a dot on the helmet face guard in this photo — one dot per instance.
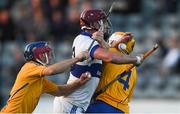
[106, 28]
[43, 54]
[39, 52]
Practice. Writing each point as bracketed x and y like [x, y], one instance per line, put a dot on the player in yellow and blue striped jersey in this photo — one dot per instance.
[116, 97]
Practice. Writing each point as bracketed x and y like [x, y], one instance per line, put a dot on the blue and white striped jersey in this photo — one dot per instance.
[82, 96]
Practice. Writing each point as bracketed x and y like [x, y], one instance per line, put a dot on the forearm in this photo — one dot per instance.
[123, 59]
[68, 88]
[116, 58]
[60, 66]
[104, 44]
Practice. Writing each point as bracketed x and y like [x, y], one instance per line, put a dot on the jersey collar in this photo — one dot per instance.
[86, 34]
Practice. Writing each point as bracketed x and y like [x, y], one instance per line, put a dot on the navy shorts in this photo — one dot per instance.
[102, 107]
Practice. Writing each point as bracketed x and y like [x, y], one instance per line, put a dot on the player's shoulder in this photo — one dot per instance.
[29, 64]
[82, 40]
[32, 65]
[83, 37]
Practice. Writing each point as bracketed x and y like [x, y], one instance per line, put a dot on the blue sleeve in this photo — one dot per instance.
[93, 49]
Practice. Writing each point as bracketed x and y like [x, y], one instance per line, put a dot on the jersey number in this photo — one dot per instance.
[73, 51]
[125, 82]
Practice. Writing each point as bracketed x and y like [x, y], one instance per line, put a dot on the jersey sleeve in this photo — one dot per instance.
[93, 49]
[41, 69]
[38, 71]
[50, 87]
[33, 70]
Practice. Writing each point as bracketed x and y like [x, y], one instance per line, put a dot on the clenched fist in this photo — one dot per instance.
[84, 78]
[125, 37]
[98, 36]
[83, 56]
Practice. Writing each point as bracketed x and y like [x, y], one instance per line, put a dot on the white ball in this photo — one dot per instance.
[88, 74]
[122, 46]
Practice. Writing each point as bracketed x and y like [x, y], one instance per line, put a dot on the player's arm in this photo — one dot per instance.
[61, 66]
[66, 89]
[103, 44]
[116, 58]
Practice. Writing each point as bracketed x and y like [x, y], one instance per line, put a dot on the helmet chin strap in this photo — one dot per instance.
[47, 60]
[88, 28]
[85, 27]
[39, 61]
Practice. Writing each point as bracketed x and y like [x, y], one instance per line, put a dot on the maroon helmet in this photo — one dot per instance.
[88, 17]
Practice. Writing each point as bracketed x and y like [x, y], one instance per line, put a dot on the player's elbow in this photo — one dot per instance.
[58, 94]
[61, 93]
[108, 57]
[48, 71]
[103, 54]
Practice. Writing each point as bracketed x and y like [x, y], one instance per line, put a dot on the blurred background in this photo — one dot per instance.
[57, 21]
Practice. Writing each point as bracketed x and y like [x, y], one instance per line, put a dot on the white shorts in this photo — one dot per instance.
[62, 106]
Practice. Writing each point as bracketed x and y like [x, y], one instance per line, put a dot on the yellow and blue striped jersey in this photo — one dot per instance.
[120, 92]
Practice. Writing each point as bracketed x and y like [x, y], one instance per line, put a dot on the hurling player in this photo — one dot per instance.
[31, 82]
[116, 97]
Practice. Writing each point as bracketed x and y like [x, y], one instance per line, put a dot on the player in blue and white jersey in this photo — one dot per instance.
[90, 21]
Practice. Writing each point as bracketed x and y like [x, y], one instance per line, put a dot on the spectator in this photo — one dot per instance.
[39, 25]
[7, 31]
[58, 24]
[171, 59]
[85, 5]
[73, 22]
[54, 5]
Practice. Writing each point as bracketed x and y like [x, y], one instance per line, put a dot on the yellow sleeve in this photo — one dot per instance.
[32, 70]
[39, 70]
[49, 87]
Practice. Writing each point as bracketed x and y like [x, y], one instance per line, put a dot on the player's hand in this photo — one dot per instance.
[83, 56]
[84, 78]
[126, 37]
[140, 60]
[98, 36]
